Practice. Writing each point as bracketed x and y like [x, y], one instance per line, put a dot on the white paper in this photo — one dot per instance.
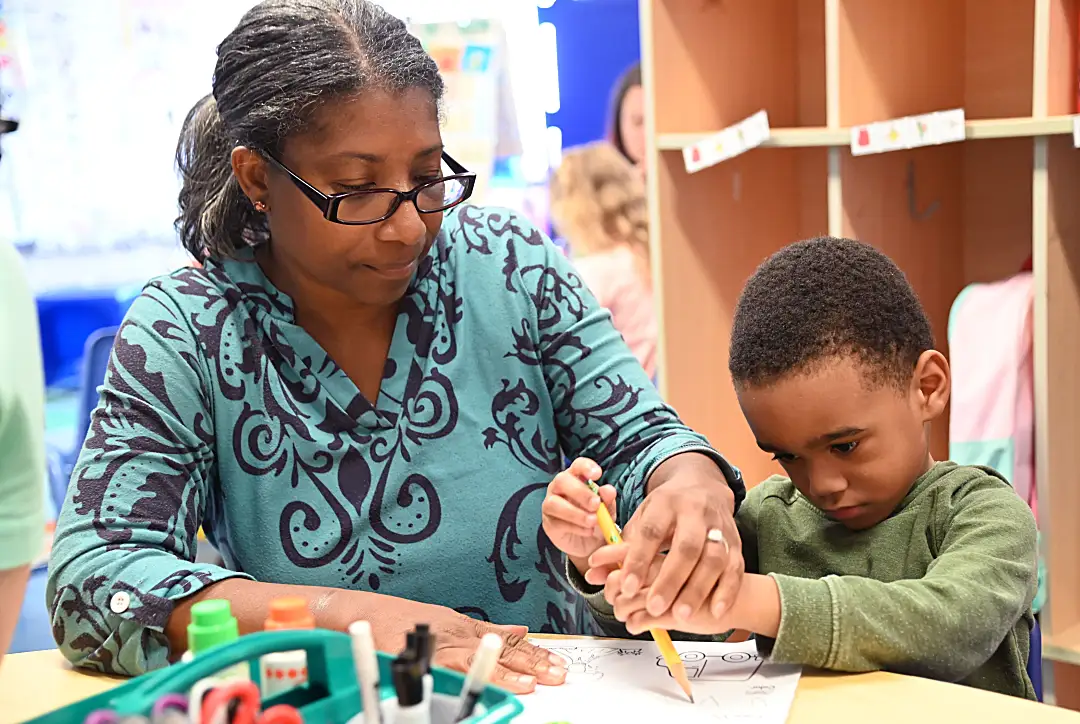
[628, 681]
[748, 133]
[898, 134]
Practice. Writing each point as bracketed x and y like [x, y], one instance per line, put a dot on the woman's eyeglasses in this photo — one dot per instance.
[371, 206]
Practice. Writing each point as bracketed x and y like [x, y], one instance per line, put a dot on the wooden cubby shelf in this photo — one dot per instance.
[949, 215]
[840, 137]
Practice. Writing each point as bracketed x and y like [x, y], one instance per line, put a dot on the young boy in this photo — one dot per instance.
[869, 555]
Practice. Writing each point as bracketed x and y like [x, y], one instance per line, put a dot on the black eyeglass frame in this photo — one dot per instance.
[329, 203]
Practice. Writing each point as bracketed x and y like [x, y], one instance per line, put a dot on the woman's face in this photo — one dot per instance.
[632, 123]
[380, 140]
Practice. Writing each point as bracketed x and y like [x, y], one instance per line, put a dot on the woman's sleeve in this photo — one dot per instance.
[606, 408]
[125, 542]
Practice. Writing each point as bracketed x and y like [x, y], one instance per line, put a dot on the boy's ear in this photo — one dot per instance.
[932, 383]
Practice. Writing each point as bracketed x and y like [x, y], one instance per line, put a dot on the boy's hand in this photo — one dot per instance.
[569, 511]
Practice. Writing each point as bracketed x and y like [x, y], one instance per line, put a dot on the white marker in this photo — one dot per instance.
[487, 655]
[367, 670]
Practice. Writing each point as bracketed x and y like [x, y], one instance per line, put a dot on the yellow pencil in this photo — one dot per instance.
[660, 636]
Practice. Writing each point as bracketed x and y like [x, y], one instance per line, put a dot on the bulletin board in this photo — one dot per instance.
[101, 90]
[480, 124]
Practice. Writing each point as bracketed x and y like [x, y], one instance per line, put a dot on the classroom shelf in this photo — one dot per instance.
[768, 54]
[1063, 647]
[950, 215]
[1024, 127]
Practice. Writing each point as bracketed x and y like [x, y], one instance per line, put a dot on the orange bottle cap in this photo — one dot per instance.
[289, 613]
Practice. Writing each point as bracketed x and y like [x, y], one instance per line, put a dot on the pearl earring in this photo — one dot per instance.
[261, 207]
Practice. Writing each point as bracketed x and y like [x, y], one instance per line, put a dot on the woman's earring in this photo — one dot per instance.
[261, 207]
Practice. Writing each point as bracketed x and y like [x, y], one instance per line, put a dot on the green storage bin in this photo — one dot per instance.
[331, 694]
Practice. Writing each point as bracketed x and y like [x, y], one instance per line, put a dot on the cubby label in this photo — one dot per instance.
[897, 134]
[728, 143]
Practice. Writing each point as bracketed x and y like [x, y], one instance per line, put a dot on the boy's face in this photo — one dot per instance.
[852, 446]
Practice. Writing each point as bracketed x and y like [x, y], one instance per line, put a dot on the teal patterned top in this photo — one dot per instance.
[219, 410]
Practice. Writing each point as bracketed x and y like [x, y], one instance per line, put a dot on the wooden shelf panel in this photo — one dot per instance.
[904, 58]
[1064, 647]
[820, 136]
[722, 61]
[1060, 471]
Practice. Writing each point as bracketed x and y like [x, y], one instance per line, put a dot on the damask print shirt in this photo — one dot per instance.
[219, 410]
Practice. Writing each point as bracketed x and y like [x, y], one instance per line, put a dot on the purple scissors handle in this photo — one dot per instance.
[103, 716]
[169, 701]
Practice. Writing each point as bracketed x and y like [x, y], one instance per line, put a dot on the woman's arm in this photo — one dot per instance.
[123, 577]
[606, 407]
[124, 551]
[22, 443]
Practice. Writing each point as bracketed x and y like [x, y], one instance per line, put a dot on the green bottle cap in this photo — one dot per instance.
[212, 623]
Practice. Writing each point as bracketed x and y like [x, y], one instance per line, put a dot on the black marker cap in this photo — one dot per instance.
[412, 646]
[425, 645]
[408, 682]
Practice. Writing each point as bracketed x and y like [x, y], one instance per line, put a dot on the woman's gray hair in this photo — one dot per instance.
[282, 60]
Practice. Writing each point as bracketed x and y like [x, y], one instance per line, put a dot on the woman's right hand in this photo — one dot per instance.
[521, 665]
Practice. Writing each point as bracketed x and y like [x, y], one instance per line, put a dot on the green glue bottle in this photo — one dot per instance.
[212, 624]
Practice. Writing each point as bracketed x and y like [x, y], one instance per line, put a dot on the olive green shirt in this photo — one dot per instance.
[941, 589]
[22, 418]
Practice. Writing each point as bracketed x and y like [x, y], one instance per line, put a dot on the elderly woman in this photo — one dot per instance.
[364, 392]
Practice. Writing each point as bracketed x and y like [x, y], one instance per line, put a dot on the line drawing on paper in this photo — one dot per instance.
[581, 661]
[733, 666]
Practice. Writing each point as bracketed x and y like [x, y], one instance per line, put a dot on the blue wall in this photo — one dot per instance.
[596, 41]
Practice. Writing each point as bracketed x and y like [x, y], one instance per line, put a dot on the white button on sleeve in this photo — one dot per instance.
[119, 602]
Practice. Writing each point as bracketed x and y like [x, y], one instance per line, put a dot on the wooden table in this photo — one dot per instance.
[32, 684]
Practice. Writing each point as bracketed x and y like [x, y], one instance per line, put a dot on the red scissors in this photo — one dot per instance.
[244, 696]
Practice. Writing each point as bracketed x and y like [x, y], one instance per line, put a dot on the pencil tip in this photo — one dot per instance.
[691, 698]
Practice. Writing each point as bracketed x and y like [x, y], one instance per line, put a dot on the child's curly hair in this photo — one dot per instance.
[598, 201]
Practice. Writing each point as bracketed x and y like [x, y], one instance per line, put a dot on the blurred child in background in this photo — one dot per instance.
[628, 117]
[598, 206]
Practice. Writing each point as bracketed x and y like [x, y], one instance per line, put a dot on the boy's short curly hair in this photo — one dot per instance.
[825, 297]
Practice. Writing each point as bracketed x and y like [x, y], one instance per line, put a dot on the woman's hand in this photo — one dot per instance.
[569, 511]
[689, 510]
[756, 609]
[521, 665]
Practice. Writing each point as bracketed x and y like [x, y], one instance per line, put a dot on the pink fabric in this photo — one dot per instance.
[990, 346]
[615, 280]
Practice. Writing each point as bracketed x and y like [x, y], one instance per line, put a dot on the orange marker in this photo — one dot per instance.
[660, 636]
[287, 669]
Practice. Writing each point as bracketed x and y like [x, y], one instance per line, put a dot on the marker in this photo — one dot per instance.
[409, 685]
[429, 691]
[367, 670]
[212, 624]
[487, 655]
[285, 670]
[660, 636]
[425, 645]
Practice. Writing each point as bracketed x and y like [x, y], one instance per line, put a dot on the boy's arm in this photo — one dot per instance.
[943, 625]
